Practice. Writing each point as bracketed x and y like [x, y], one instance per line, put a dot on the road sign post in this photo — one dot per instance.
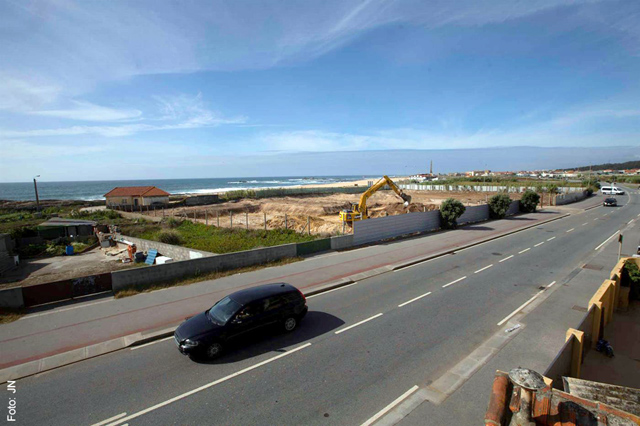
[619, 245]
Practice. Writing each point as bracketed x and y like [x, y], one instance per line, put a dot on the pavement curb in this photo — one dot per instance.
[70, 357]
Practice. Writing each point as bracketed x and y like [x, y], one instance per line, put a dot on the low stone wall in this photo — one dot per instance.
[342, 242]
[144, 277]
[174, 252]
[11, 298]
[474, 214]
[572, 197]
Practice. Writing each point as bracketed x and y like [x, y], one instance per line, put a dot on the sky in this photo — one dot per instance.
[158, 89]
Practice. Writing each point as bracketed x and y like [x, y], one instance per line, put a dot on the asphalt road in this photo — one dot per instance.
[360, 348]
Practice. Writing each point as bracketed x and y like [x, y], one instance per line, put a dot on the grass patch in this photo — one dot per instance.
[132, 291]
[10, 315]
[222, 240]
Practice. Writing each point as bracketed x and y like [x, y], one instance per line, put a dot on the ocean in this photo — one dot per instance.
[94, 190]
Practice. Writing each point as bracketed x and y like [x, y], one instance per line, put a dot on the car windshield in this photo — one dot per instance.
[223, 310]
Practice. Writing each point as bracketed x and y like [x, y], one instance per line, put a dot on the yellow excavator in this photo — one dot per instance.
[359, 211]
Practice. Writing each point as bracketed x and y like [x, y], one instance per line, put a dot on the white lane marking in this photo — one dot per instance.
[329, 291]
[208, 385]
[358, 323]
[605, 241]
[508, 317]
[570, 230]
[539, 244]
[638, 215]
[111, 419]
[551, 284]
[151, 343]
[595, 219]
[388, 408]
[413, 300]
[628, 223]
[453, 282]
[552, 238]
[55, 311]
[486, 267]
[585, 224]
[506, 258]
[524, 251]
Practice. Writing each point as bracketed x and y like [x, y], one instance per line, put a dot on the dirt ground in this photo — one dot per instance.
[320, 211]
[47, 269]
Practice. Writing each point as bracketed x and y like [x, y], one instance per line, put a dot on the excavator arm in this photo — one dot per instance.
[386, 180]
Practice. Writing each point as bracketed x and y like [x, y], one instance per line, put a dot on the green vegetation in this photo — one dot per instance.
[450, 210]
[529, 201]
[197, 277]
[631, 278]
[170, 237]
[611, 166]
[498, 206]
[220, 240]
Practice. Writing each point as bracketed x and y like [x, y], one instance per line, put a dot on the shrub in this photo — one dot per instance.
[498, 205]
[630, 277]
[450, 210]
[529, 201]
[173, 222]
[170, 237]
[31, 250]
[55, 250]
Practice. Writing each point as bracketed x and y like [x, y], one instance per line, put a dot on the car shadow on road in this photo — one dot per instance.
[478, 228]
[274, 339]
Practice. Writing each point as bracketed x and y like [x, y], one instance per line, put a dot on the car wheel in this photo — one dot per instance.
[214, 350]
[290, 323]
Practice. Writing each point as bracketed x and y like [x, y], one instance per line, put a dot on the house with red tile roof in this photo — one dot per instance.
[136, 196]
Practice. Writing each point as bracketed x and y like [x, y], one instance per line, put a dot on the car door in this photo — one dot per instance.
[247, 319]
[274, 308]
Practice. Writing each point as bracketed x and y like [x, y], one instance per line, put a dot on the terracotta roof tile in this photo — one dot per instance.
[136, 191]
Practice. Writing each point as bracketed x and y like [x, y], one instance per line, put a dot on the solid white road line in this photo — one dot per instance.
[453, 282]
[413, 300]
[506, 258]
[151, 343]
[524, 251]
[486, 267]
[508, 317]
[628, 223]
[607, 240]
[114, 418]
[208, 385]
[570, 230]
[539, 244]
[329, 291]
[552, 238]
[358, 323]
[551, 284]
[55, 311]
[388, 408]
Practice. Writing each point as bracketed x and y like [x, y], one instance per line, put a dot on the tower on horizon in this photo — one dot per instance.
[431, 168]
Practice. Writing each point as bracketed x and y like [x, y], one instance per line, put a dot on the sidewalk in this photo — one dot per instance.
[75, 327]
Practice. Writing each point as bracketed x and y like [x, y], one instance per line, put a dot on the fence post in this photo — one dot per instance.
[286, 225]
[308, 225]
[344, 224]
[206, 217]
[246, 219]
[163, 212]
[231, 218]
[265, 220]
[194, 217]
[218, 217]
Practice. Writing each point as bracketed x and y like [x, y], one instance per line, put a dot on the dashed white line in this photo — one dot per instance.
[552, 238]
[453, 282]
[329, 291]
[486, 267]
[506, 258]
[508, 317]
[111, 419]
[358, 323]
[208, 385]
[413, 300]
[585, 224]
[631, 221]
[524, 251]
[605, 241]
[388, 408]
[551, 284]
[539, 244]
[151, 343]
[570, 230]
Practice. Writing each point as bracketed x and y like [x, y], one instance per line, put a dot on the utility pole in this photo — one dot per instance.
[35, 186]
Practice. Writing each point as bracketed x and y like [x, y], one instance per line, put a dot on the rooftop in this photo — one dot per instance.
[57, 222]
[136, 191]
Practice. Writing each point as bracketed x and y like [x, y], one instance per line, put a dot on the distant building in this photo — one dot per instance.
[135, 196]
[57, 227]
[475, 173]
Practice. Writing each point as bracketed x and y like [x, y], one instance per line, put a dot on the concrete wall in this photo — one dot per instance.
[370, 230]
[6, 258]
[514, 208]
[474, 214]
[11, 298]
[342, 242]
[561, 365]
[200, 200]
[572, 197]
[315, 246]
[174, 252]
[169, 271]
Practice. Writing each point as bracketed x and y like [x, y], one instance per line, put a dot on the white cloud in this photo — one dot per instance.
[85, 111]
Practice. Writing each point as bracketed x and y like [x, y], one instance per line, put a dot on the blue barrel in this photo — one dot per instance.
[69, 250]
